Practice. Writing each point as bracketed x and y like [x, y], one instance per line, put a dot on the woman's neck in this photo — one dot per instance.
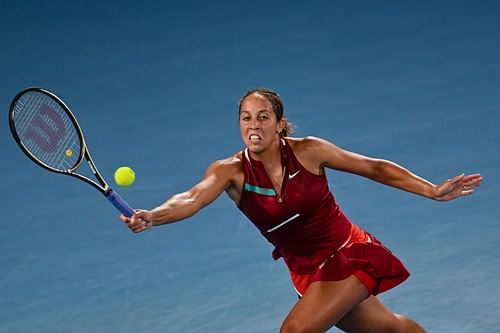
[271, 156]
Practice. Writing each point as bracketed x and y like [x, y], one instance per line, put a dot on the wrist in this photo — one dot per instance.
[432, 192]
[154, 218]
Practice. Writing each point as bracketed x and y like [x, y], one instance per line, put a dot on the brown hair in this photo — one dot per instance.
[277, 105]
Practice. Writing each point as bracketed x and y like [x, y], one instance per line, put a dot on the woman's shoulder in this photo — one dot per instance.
[311, 152]
[229, 164]
[305, 143]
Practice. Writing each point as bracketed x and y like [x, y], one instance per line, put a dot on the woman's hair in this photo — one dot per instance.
[277, 105]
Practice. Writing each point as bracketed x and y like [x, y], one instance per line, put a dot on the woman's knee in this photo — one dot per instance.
[401, 324]
[291, 325]
[409, 325]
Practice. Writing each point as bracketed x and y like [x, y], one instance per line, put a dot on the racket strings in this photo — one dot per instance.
[47, 131]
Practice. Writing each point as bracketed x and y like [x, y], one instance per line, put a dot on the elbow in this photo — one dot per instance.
[387, 172]
[181, 206]
[193, 207]
[378, 169]
[191, 204]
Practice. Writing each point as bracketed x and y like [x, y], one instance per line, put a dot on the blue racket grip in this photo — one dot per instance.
[119, 203]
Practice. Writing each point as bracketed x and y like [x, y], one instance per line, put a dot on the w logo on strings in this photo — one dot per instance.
[46, 129]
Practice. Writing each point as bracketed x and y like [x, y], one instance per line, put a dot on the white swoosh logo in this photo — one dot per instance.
[282, 224]
[293, 175]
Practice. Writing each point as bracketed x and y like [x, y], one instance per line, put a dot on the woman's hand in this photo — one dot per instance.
[139, 221]
[457, 186]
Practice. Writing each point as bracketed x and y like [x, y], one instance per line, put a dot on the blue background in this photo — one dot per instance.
[155, 86]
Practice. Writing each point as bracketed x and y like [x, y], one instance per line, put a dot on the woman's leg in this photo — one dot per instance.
[323, 304]
[372, 316]
[347, 305]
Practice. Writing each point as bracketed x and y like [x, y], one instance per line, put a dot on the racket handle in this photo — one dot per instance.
[119, 203]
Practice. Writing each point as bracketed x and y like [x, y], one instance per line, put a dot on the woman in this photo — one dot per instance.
[279, 183]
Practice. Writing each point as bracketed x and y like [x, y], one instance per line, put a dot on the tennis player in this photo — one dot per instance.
[279, 183]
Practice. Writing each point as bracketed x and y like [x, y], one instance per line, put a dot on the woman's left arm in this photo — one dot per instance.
[390, 173]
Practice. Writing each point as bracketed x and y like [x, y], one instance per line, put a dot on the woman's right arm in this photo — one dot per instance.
[219, 176]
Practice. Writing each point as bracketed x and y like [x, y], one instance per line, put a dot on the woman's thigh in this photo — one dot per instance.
[371, 316]
[324, 304]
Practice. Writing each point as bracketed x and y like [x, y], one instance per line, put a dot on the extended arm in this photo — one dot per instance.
[389, 173]
[217, 178]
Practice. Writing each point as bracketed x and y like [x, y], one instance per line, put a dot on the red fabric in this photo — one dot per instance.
[363, 256]
[369, 281]
[315, 226]
[308, 229]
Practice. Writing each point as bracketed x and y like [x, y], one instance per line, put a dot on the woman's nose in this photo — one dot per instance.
[254, 124]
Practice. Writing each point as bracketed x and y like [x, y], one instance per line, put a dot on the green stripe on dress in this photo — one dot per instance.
[259, 190]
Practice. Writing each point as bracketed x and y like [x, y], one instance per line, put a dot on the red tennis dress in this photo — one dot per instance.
[310, 232]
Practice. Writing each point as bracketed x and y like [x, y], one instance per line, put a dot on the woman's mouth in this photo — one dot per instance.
[254, 138]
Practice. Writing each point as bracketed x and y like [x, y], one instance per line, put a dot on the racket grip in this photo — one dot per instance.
[120, 204]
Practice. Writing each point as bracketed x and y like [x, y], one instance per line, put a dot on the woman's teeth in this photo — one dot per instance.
[254, 138]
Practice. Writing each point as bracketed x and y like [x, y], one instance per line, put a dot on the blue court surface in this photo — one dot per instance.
[155, 85]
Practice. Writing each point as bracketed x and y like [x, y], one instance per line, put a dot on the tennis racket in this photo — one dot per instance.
[46, 130]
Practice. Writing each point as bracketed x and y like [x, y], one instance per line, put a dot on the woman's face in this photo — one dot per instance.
[258, 124]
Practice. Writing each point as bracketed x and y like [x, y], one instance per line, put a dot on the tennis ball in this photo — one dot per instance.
[124, 176]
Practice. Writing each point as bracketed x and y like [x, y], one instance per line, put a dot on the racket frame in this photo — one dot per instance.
[101, 185]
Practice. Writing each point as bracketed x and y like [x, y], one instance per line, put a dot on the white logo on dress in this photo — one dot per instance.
[293, 175]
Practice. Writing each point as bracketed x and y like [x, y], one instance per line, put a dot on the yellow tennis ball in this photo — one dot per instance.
[124, 176]
[69, 152]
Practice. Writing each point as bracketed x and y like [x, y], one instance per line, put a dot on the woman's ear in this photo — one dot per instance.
[281, 125]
